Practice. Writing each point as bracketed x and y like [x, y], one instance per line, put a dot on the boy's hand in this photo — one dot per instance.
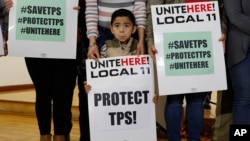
[87, 87]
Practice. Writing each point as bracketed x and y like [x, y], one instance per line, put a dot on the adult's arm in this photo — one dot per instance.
[91, 15]
[223, 17]
[149, 28]
[140, 17]
[5, 6]
[224, 22]
[92, 30]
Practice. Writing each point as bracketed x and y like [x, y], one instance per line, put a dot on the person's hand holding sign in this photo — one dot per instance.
[152, 51]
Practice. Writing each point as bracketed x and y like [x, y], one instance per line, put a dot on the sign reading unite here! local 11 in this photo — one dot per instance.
[190, 56]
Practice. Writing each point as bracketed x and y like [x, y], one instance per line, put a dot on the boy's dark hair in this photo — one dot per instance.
[123, 13]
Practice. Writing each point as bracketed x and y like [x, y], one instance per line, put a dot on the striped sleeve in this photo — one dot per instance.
[91, 15]
[140, 13]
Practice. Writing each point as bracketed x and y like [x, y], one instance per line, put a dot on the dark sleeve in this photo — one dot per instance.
[223, 17]
[82, 22]
[149, 26]
[4, 19]
[2, 10]
[236, 16]
[4, 25]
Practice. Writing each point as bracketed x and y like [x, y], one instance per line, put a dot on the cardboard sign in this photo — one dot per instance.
[190, 57]
[43, 28]
[120, 100]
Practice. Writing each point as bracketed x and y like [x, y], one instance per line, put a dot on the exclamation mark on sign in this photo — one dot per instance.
[134, 116]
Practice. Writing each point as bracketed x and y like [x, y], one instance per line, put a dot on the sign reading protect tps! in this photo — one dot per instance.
[120, 100]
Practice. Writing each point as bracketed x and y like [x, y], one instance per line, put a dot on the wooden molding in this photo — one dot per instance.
[16, 87]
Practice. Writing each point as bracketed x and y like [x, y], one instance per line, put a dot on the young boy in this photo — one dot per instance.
[122, 27]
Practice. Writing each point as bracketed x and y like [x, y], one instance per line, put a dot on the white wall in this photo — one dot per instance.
[13, 71]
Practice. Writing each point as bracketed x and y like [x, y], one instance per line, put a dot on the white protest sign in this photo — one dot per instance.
[120, 100]
[43, 28]
[190, 57]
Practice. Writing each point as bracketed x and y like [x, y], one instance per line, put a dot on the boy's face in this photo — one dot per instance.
[122, 28]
